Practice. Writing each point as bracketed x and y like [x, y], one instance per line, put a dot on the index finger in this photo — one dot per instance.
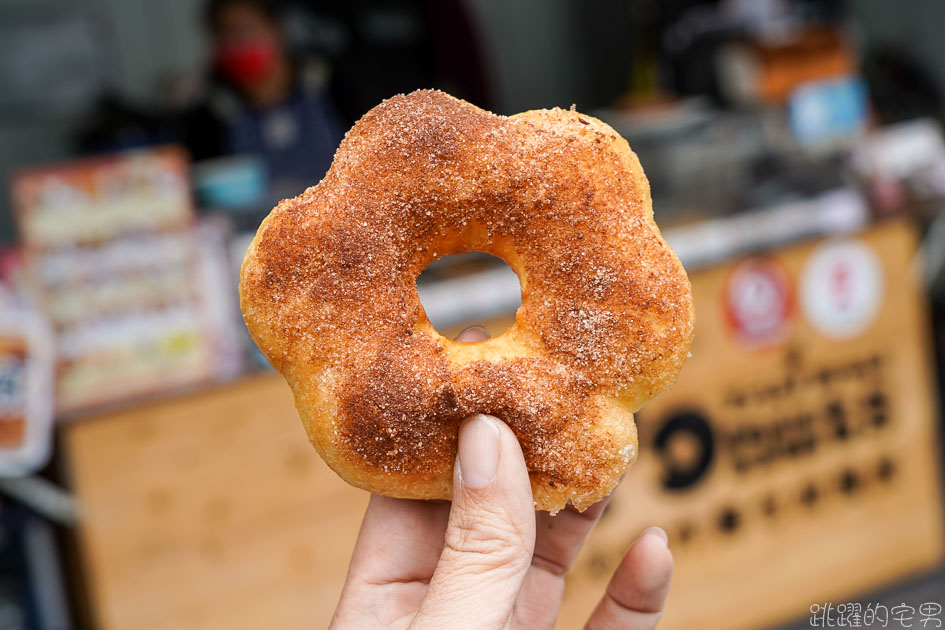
[400, 541]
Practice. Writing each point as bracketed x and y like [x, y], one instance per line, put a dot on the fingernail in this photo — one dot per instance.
[474, 331]
[478, 451]
[656, 531]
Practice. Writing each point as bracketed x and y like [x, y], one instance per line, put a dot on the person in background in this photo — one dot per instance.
[261, 101]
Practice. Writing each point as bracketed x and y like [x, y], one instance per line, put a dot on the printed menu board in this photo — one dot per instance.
[116, 259]
[794, 464]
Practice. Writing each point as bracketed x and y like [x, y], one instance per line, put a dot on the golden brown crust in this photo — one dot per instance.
[328, 291]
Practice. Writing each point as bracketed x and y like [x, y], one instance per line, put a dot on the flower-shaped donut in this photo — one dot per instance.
[328, 291]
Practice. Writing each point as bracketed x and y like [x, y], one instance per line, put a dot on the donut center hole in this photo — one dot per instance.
[467, 290]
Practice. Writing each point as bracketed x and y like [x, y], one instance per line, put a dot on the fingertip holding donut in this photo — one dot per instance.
[473, 334]
[328, 292]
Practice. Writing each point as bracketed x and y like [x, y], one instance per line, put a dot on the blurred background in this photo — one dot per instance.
[153, 473]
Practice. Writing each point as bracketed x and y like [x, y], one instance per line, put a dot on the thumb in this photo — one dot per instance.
[490, 537]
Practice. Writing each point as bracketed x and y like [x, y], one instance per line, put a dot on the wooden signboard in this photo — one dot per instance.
[795, 460]
[793, 463]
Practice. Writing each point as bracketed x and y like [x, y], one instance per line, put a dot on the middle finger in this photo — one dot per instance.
[558, 539]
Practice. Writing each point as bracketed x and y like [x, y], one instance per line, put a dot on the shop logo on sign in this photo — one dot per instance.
[841, 289]
[758, 302]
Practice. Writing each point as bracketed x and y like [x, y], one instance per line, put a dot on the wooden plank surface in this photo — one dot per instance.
[212, 511]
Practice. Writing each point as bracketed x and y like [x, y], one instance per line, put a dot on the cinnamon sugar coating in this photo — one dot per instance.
[328, 291]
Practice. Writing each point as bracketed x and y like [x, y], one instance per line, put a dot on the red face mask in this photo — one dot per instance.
[246, 63]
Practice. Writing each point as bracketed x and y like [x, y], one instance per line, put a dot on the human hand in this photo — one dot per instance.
[488, 560]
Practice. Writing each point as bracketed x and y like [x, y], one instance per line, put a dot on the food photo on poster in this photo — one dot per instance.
[462, 313]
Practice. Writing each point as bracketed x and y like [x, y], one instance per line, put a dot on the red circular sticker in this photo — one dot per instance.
[758, 301]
